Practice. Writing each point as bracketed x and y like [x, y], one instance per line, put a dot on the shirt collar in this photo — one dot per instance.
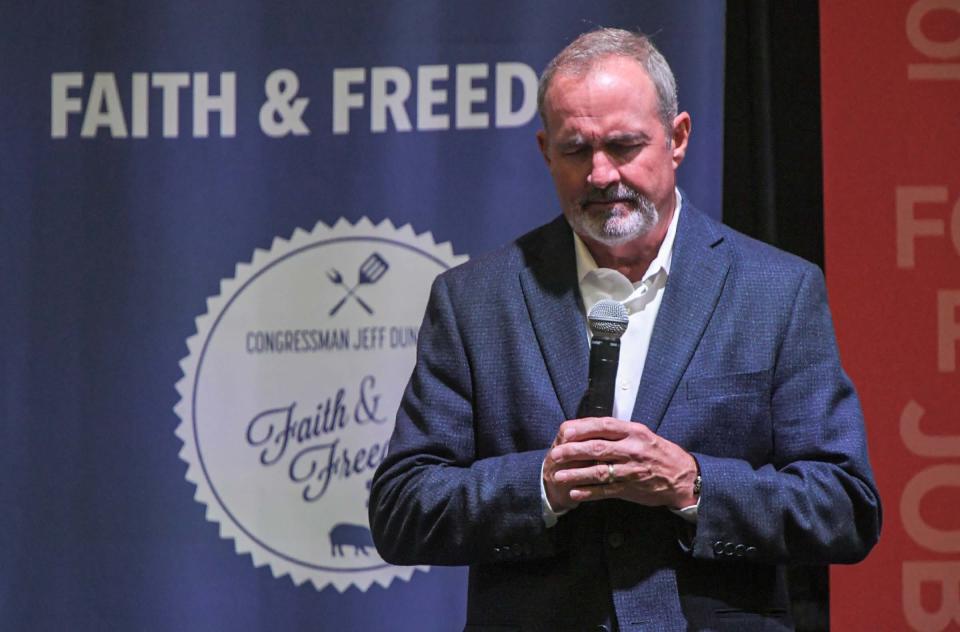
[586, 263]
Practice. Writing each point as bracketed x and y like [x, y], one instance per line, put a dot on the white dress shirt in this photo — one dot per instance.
[642, 300]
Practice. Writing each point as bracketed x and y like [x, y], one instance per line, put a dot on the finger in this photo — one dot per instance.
[594, 428]
[596, 492]
[587, 450]
[570, 465]
[593, 474]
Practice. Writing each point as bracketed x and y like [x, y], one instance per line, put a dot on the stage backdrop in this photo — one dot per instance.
[198, 377]
[891, 124]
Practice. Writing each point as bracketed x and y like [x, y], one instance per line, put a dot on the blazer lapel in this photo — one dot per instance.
[552, 295]
[698, 270]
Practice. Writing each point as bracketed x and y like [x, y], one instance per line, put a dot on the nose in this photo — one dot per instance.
[603, 172]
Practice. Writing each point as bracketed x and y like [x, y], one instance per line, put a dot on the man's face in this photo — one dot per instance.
[608, 151]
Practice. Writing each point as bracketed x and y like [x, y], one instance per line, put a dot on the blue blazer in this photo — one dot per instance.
[742, 371]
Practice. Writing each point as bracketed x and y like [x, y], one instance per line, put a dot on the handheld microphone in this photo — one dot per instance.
[608, 321]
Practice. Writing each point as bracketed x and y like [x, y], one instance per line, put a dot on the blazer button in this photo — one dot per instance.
[751, 551]
[728, 549]
[739, 550]
[718, 547]
[615, 540]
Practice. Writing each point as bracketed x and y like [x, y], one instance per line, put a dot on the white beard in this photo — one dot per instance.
[633, 216]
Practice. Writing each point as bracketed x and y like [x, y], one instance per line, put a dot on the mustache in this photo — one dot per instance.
[614, 193]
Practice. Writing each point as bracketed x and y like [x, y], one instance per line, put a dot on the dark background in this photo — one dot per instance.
[773, 167]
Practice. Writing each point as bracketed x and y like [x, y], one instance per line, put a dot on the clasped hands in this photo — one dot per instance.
[646, 468]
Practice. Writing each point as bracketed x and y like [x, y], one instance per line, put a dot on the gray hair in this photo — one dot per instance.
[590, 48]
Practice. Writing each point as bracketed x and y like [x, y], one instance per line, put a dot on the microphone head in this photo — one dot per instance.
[608, 319]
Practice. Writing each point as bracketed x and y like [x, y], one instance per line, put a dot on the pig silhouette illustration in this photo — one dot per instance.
[355, 535]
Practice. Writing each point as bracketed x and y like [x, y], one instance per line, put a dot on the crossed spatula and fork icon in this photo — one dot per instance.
[371, 270]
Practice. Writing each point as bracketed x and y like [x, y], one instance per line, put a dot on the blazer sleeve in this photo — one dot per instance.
[433, 501]
[816, 501]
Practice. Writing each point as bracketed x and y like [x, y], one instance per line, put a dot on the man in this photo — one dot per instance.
[740, 450]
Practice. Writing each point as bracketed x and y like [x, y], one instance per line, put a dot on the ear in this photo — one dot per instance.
[681, 135]
[542, 142]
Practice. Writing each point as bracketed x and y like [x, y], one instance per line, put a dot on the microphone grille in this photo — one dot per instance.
[608, 318]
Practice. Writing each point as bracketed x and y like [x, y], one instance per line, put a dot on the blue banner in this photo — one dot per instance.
[219, 222]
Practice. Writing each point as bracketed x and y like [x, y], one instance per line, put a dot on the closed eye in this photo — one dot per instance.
[573, 150]
[625, 148]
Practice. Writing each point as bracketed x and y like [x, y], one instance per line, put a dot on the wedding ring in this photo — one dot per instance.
[611, 477]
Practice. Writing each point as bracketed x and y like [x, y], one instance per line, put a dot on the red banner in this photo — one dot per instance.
[891, 145]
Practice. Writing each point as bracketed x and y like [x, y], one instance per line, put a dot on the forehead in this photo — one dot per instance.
[614, 91]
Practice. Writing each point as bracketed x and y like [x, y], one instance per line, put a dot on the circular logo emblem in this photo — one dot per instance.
[290, 389]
